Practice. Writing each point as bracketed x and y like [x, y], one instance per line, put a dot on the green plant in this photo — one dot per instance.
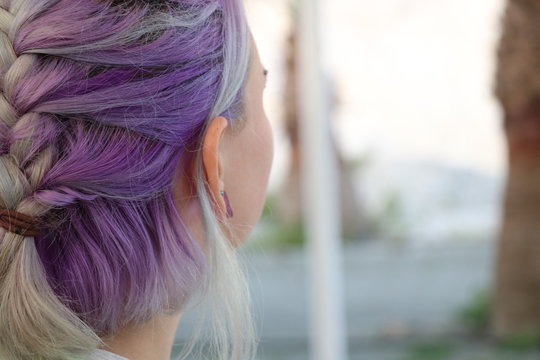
[431, 351]
[289, 235]
[476, 314]
[280, 236]
[269, 206]
[524, 341]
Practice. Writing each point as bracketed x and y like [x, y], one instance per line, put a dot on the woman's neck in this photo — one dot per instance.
[150, 341]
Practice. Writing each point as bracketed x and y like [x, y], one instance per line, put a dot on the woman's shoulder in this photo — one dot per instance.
[100, 354]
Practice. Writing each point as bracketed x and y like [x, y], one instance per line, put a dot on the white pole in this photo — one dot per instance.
[328, 334]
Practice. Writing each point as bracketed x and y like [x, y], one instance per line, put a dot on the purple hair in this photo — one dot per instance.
[104, 99]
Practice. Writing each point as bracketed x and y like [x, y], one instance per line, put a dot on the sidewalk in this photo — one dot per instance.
[391, 289]
[398, 297]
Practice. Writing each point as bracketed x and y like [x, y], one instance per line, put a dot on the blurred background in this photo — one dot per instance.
[437, 141]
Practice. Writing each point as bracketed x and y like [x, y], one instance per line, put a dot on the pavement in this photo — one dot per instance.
[402, 300]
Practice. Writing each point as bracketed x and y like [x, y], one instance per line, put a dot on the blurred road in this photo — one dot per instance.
[391, 289]
[399, 296]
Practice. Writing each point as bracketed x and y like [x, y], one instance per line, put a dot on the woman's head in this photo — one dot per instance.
[237, 160]
[103, 102]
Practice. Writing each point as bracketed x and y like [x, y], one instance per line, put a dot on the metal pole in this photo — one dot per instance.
[328, 339]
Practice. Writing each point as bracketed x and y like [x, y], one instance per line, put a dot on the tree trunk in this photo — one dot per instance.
[516, 307]
[353, 219]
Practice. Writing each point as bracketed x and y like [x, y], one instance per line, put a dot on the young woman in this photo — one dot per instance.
[135, 156]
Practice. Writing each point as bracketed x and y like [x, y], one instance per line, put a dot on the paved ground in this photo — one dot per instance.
[402, 301]
[390, 288]
[405, 349]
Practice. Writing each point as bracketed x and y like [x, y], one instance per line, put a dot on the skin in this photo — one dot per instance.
[238, 162]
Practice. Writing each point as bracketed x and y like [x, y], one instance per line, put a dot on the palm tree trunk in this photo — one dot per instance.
[353, 218]
[516, 308]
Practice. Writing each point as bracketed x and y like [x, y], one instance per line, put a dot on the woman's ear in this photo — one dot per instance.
[212, 163]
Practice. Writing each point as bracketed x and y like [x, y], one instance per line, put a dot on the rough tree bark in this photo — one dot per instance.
[516, 308]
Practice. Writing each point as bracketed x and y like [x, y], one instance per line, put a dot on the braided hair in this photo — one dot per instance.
[100, 100]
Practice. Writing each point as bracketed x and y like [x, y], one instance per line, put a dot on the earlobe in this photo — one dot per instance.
[211, 162]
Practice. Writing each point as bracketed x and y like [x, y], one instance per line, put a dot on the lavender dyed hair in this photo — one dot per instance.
[101, 99]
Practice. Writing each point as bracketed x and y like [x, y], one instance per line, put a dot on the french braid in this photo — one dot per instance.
[29, 309]
[101, 100]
